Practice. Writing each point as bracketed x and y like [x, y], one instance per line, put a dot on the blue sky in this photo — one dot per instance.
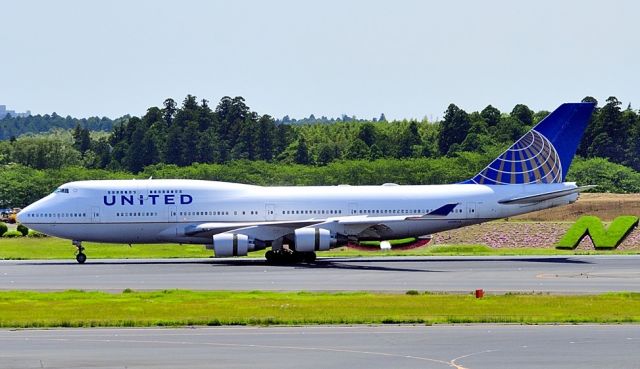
[408, 59]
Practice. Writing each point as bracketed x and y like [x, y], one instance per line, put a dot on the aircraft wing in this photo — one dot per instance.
[207, 230]
[269, 231]
[353, 224]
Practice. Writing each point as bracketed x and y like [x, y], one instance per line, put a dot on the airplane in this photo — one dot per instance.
[297, 221]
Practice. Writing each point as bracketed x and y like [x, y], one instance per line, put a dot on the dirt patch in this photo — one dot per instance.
[606, 206]
[511, 234]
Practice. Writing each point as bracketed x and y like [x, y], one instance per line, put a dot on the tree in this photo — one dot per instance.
[43, 153]
[102, 152]
[367, 134]
[454, 128]
[206, 118]
[410, 138]
[81, 139]
[611, 132]
[173, 154]
[326, 155]
[302, 152]
[590, 132]
[158, 133]
[510, 129]
[358, 150]
[477, 138]
[284, 137]
[245, 147]
[539, 116]
[206, 147]
[169, 110]
[633, 151]
[490, 115]
[189, 143]
[137, 153]
[523, 114]
[375, 153]
[265, 138]
[231, 112]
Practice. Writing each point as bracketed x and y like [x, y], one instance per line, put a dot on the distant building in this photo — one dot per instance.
[4, 112]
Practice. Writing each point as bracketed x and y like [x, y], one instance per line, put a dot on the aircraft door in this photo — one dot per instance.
[472, 210]
[269, 212]
[353, 208]
[95, 214]
[172, 212]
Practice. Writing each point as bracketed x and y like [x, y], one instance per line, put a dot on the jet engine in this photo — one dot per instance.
[313, 239]
[231, 244]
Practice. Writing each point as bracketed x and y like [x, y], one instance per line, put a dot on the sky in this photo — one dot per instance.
[407, 59]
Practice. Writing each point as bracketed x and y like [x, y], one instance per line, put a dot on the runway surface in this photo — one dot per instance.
[471, 347]
[584, 274]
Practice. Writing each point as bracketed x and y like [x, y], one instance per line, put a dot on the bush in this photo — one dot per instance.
[22, 229]
[12, 234]
[35, 234]
[3, 228]
[412, 292]
[609, 177]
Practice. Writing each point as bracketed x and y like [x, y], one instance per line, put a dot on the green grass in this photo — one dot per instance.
[603, 238]
[180, 308]
[398, 242]
[25, 248]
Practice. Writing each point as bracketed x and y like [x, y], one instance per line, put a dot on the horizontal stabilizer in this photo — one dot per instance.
[529, 199]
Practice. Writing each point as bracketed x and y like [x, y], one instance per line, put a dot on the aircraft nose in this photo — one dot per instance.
[23, 216]
[20, 217]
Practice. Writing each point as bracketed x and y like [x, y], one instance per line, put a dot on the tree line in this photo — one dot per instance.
[21, 185]
[12, 127]
[231, 142]
[196, 133]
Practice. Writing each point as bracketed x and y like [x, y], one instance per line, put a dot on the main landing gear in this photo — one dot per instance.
[286, 256]
[80, 256]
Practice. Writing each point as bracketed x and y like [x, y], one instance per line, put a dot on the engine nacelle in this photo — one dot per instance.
[230, 244]
[313, 239]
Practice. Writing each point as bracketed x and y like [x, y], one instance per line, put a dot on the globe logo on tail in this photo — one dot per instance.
[532, 159]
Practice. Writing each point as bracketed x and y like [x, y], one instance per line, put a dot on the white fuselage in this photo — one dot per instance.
[152, 211]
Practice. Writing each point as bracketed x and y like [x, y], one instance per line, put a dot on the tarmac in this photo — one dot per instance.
[373, 347]
[552, 274]
[386, 346]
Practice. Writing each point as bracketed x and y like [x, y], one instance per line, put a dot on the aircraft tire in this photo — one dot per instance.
[270, 256]
[81, 258]
[310, 257]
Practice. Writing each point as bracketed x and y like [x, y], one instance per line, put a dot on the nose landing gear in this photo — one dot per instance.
[80, 256]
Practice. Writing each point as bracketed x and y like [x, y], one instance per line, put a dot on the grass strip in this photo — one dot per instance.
[399, 242]
[25, 248]
[22, 309]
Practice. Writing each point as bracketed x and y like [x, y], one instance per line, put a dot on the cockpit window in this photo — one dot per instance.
[62, 190]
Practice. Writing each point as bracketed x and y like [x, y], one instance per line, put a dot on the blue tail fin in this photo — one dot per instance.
[544, 154]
